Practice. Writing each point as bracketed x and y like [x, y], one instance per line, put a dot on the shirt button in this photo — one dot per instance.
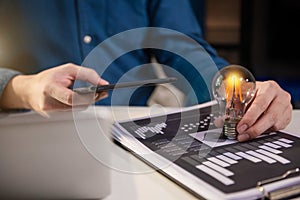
[87, 39]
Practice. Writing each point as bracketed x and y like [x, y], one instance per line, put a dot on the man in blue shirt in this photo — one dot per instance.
[38, 38]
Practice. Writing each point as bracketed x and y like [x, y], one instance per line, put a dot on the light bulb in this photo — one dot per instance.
[234, 88]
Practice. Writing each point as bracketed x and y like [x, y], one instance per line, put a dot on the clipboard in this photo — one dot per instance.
[283, 192]
[264, 168]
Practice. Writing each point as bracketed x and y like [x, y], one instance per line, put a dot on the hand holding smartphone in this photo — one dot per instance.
[143, 83]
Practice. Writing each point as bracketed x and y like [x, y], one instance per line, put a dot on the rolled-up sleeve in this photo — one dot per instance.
[5, 76]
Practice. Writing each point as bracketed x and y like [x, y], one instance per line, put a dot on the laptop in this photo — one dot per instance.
[55, 157]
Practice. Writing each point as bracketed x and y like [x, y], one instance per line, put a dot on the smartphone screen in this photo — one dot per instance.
[142, 83]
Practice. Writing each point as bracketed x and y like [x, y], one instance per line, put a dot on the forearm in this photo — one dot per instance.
[14, 93]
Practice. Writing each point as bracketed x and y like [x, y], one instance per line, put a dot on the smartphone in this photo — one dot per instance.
[143, 83]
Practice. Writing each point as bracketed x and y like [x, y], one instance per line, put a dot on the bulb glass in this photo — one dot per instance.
[233, 87]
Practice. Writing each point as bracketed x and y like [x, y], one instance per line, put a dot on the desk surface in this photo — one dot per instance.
[153, 185]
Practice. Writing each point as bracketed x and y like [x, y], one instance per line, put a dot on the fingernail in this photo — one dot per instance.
[242, 128]
[104, 82]
[243, 137]
[44, 114]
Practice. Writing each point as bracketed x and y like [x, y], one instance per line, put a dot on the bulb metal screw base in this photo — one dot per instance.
[229, 128]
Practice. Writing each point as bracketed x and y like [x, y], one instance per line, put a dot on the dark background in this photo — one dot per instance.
[262, 35]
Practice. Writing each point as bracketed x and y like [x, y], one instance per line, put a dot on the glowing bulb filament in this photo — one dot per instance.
[233, 88]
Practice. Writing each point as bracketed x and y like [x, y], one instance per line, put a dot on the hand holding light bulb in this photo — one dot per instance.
[249, 108]
[234, 88]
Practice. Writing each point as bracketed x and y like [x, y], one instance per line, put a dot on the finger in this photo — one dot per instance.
[49, 104]
[219, 122]
[260, 104]
[265, 122]
[275, 118]
[59, 93]
[86, 74]
[277, 115]
[280, 114]
[43, 113]
[102, 82]
[55, 105]
[281, 111]
[285, 119]
[71, 98]
[83, 100]
[101, 95]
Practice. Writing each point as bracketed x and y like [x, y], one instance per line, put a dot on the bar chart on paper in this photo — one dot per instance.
[191, 140]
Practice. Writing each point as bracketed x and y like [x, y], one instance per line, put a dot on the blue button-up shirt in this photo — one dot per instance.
[39, 34]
